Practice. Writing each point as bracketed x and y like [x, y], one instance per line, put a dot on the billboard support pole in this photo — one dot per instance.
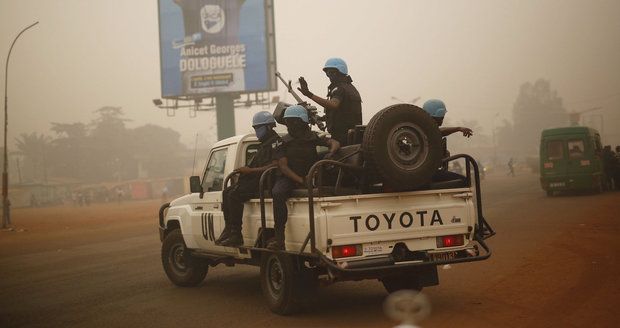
[225, 113]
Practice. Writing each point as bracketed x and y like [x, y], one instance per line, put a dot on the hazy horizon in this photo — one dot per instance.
[472, 54]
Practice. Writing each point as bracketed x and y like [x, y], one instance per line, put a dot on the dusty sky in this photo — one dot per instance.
[474, 54]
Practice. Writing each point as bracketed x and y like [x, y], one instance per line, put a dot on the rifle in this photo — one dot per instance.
[313, 115]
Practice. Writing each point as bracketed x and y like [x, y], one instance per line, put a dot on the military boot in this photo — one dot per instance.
[225, 234]
[235, 238]
[277, 243]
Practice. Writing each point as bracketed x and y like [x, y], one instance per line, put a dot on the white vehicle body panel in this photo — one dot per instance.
[378, 221]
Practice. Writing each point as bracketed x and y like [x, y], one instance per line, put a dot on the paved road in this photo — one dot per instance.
[555, 263]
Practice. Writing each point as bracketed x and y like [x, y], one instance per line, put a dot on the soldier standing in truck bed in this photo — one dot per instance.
[343, 105]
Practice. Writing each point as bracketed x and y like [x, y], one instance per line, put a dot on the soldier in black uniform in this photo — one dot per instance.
[295, 156]
[437, 110]
[343, 106]
[247, 186]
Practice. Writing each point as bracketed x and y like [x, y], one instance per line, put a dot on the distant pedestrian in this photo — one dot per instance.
[164, 193]
[609, 165]
[511, 167]
[119, 195]
[33, 200]
[617, 169]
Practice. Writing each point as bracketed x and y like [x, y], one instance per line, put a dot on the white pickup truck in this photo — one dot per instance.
[347, 227]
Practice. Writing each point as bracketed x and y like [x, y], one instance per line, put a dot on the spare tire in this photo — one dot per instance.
[402, 145]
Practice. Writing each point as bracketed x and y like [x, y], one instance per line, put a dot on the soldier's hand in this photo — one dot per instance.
[303, 88]
[467, 132]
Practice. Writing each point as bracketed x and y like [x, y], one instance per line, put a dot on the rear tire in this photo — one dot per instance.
[280, 283]
[396, 283]
[180, 267]
[549, 192]
[402, 143]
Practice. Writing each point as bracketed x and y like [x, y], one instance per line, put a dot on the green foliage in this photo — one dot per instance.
[102, 150]
[536, 108]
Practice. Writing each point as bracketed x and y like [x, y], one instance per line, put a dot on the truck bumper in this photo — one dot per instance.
[570, 182]
[386, 266]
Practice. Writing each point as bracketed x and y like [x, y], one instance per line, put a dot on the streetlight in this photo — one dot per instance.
[5, 174]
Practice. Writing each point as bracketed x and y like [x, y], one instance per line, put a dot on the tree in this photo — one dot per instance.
[109, 139]
[157, 150]
[35, 149]
[69, 150]
[537, 107]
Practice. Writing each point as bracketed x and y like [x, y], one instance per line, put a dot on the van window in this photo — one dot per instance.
[575, 148]
[214, 175]
[555, 149]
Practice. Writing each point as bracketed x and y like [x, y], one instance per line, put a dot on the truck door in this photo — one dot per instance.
[207, 216]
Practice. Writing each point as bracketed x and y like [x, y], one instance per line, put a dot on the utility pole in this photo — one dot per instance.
[6, 214]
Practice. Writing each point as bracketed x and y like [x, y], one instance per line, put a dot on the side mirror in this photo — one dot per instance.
[194, 184]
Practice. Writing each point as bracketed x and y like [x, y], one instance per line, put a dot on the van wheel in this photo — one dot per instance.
[396, 283]
[403, 145]
[180, 267]
[279, 283]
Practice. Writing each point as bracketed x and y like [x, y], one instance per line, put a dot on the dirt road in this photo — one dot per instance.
[555, 263]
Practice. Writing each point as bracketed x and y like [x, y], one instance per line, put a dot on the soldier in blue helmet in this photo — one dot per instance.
[247, 186]
[437, 110]
[295, 156]
[343, 105]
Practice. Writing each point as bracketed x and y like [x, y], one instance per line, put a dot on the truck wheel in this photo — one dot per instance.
[403, 145]
[395, 283]
[549, 192]
[279, 283]
[180, 267]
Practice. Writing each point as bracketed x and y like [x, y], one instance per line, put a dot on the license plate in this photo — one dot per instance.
[556, 184]
[443, 256]
[373, 249]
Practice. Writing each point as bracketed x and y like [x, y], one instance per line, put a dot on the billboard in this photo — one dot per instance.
[209, 47]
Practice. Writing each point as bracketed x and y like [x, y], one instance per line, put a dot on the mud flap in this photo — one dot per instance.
[426, 275]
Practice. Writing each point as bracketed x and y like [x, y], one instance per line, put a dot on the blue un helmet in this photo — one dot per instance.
[297, 111]
[435, 108]
[338, 64]
[263, 118]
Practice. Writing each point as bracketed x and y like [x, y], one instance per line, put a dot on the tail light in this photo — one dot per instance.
[346, 251]
[450, 241]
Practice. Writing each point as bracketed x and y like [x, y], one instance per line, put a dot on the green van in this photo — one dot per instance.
[570, 159]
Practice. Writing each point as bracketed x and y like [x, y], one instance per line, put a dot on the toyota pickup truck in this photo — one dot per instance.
[351, 222]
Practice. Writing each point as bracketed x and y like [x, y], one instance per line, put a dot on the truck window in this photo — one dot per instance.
[555, 149]
[575, 148]
[214, 175]
[250, 152]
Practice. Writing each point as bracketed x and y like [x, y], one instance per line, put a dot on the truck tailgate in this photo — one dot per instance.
[415, 218]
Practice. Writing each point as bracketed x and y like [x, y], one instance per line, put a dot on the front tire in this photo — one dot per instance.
[180, 267]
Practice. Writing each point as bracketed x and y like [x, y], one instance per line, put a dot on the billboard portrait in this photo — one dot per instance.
[208, 47]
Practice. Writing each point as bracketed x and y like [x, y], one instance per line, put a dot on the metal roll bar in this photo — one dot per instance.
[310, 186]
[471, 162]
